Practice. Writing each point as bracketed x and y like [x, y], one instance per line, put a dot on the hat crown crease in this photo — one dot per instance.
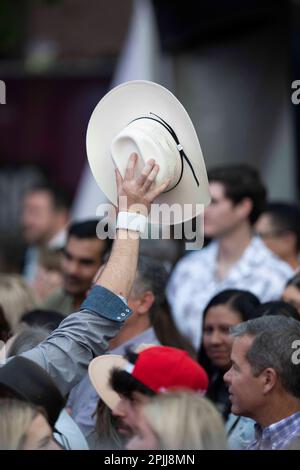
[183, 155]
[149, 140]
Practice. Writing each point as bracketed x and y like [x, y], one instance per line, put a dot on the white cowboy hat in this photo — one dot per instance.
[144, 117]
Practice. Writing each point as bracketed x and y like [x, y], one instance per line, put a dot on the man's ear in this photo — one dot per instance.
[146, 301]
[290, 238]
[269, 379]
[62, 216]
[244, 207]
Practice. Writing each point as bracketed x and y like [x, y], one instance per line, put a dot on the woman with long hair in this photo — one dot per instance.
[181, 420]
[226, 309]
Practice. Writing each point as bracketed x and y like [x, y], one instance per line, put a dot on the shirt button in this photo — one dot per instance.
[118, 318]
[123, 315]
[127, 310]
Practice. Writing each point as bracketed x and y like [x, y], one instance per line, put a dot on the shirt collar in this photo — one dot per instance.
[244, 265]
[277, 432]
[146, 337]
[59, 240]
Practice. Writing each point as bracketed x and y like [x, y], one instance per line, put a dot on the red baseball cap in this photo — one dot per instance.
[163, 368]
[159, 368]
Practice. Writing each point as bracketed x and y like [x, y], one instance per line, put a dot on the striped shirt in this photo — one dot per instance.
[277, 436]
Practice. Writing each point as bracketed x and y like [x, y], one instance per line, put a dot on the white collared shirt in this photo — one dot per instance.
[58, 241]
[193, 282]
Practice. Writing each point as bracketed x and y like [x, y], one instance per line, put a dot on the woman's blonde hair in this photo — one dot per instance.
[185, 421]
[15, 418]
[16, 298]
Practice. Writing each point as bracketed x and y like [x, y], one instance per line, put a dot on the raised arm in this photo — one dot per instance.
[66, 353]
[134, 191]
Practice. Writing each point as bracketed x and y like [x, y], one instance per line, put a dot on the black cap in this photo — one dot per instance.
[25, 380]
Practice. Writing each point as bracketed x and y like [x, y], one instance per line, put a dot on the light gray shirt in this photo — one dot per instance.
[83, 398]
[67, 352]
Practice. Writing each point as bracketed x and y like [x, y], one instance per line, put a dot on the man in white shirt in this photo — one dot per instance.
[279, 228]
[234, 259]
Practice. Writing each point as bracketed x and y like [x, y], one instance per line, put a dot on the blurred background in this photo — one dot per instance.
[230, 63]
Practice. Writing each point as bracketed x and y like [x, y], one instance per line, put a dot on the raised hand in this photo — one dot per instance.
[138, 191]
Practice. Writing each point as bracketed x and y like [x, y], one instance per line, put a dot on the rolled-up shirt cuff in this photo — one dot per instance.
[106, 304]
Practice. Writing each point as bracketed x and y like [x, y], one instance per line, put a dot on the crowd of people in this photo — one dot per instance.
[110, 347]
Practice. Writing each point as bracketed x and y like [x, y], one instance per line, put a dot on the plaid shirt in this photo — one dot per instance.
[193, 282]
[278, 435]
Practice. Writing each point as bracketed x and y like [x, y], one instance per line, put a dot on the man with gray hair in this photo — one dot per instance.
[150, 323]
[264, 379]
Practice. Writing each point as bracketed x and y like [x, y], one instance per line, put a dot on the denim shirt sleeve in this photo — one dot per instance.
[103, 302]
[67, 352]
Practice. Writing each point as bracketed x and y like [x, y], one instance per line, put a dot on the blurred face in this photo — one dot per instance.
[291, 295]
[143, 438]
[127, 412]
[245, 390]
[38, 217]
[280, 242]
[39, 436]
[140, 304]
[216, 338]
[46, 282]
[80, 264]
[221, 216]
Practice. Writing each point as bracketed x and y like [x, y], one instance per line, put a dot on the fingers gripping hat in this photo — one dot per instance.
[145, 118]
[160, 368]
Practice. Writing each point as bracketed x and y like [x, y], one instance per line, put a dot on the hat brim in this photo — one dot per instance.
[115, 111]
[99, 372]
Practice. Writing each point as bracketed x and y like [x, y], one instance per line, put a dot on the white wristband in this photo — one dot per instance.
[131, 221]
